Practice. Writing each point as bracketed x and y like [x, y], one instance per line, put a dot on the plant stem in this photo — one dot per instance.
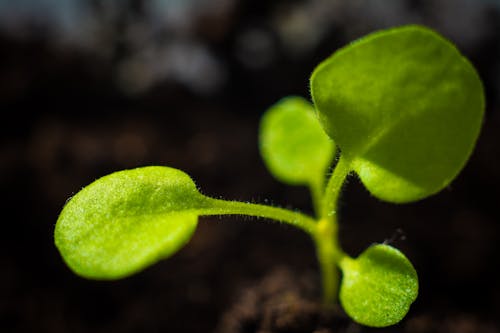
[297, 219]
[329, 254]
[316, 187]
[334, 186]
[324, 232]
[327, 243]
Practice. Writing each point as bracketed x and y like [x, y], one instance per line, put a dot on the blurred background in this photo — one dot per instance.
[88, 87]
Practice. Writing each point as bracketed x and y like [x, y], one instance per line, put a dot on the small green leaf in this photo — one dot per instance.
[123, 222]
[404, 106]
[293, 145]
[378, 287]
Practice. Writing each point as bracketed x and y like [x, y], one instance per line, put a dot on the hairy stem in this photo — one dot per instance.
[329, 254]
[334, 186]
[316, 188]
[324, 232]
[327, 243]
[297, 219]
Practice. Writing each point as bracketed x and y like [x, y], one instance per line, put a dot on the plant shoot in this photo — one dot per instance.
[400, 108]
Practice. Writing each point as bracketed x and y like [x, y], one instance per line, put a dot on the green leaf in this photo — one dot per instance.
[293, 145]
[123, 222]
[378, 287]
[404, 106]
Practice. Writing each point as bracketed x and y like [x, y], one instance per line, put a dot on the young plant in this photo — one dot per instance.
[401, 108]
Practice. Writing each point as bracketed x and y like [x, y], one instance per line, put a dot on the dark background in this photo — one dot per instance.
[91, 87]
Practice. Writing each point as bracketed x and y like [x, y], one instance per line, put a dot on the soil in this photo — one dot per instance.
[283, 301]
[286, 301]
[66, 122]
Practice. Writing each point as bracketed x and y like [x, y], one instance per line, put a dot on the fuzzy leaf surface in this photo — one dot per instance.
[404, 106]
[378, 287]
[126, 221]
[293, 145]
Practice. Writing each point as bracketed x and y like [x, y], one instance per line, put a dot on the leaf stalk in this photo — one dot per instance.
[323, 230]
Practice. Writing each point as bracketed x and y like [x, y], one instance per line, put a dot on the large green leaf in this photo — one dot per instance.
[127, 220]
[293, 145]
[404, 106]
[378, 287]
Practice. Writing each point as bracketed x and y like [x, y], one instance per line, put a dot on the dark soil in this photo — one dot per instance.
[67, 121]
[286, 301]
[283, 301]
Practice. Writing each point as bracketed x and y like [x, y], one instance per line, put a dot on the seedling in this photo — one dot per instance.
[401, 108]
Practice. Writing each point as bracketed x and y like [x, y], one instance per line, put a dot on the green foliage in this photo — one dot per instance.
[126, 221]
[293, 145]
[378, 287]
[404, 106]
[130, 219]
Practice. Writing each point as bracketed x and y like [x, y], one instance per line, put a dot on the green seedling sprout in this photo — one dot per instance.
[400, 108]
